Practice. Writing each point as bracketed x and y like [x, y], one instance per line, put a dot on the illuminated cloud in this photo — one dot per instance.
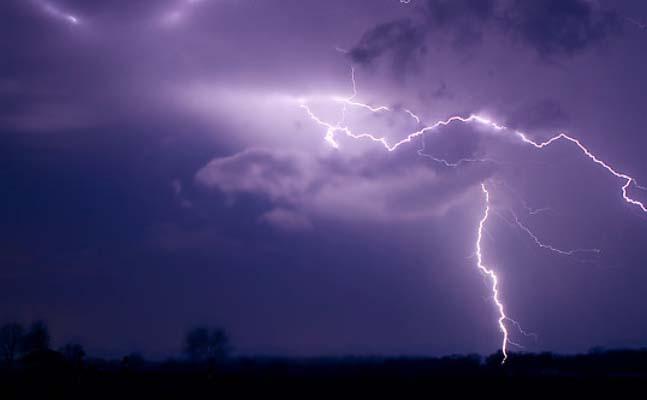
[178, 14]
[288, 220]
[359, 188]
[51, 9]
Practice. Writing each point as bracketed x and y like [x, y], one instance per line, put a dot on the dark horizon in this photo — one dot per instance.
[55, 343]
[245, 164]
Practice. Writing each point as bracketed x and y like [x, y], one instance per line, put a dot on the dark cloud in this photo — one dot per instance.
[546, 113]
[555, 27]
[405, 39]
[463, 19]
[442, 92]
[402, 39]
[445, 12]
[551, 27]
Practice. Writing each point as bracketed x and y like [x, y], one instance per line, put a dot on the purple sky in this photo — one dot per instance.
[160, 172]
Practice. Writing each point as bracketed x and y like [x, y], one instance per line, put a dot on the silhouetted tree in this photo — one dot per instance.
[11, 338]
[218, 344]
[133, 362]
[73, 353]
[196, 343]
[202, 344]
[37, 338]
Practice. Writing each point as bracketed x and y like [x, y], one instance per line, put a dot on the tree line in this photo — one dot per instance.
[26, 344]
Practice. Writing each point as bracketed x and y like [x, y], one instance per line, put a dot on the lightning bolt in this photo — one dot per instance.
[490, 273]
[562, 136]
[332, 129]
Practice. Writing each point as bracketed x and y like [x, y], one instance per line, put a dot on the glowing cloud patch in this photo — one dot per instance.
[54, 11]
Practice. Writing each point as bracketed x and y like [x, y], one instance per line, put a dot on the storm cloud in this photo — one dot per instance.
[551, 28]
[160, 171]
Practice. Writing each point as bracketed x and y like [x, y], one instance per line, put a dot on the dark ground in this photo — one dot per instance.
[614, 374]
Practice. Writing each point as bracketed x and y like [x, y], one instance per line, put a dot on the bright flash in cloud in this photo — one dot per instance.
[55, 11]
[179, 12]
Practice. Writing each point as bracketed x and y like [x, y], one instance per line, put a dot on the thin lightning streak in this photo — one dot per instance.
[349, 100]
[535, 211]
[412, 115]
[548, 246]
[504, 218]
[530, 210]
[640, 25]
[490, 273]
[520, 329]
[449, 164]
[356, 104]
[529, 233]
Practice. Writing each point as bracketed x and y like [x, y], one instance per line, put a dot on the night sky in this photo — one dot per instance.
[160, 171]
